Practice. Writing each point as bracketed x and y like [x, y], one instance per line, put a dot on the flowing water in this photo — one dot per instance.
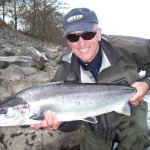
[148, 116]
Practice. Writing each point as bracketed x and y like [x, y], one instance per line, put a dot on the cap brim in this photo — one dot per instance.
[79, 27]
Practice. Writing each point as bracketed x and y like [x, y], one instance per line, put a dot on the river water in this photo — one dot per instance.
[148, 116]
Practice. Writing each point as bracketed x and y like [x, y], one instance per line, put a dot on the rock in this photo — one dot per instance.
[9, 49]
[13, 72]
[42, 77]
[3, 65]
[27, 138]
[34, 53]
[52, 55]
[2, 146]
[27, 71]
[18, 60]
[53, 63]
[38, 58]
[19, 85]
[1, 70]
[4, 92]
[6, 83]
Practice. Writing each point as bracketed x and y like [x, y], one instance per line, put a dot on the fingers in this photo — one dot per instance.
[142, 88]
[56, 123]
[50, 122]
[136, 99]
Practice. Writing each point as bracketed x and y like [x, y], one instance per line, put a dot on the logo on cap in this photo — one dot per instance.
[74, 18]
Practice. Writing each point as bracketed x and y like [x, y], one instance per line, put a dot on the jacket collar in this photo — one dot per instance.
[110, 52]
[110, 57]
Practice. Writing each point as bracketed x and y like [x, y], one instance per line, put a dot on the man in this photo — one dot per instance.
[95, 60]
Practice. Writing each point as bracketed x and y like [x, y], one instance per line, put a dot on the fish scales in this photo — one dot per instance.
[70, 101]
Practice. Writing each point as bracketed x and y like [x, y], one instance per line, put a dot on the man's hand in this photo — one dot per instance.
[50, 122]
[141, 90]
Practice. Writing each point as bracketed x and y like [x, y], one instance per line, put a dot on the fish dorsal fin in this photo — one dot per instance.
[90, 119]
[72, 77]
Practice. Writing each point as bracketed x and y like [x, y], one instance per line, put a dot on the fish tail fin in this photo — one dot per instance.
[124, 108]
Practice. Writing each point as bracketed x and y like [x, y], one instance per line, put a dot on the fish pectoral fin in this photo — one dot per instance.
[38, 116]
[124, 108]
[90, 119]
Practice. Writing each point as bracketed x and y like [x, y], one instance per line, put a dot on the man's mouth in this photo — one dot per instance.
[84, 50]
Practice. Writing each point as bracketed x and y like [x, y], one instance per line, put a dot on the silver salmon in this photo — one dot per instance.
[69, 100]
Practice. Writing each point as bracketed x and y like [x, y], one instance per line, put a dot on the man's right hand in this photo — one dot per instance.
[50, 122]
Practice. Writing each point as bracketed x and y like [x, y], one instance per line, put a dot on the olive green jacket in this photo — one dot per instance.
[127, 57]
[122, 60]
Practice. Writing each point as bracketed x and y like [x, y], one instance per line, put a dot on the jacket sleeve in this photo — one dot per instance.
[141, 56]
[62, 72]
[70, 126]
[136, 50]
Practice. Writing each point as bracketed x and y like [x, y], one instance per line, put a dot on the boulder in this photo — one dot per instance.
[13, 72]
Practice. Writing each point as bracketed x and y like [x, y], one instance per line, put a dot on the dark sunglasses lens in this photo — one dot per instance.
[73, 37]
[88, 35]
[85, 36]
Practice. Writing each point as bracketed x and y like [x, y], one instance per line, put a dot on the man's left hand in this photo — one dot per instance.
[141, 90]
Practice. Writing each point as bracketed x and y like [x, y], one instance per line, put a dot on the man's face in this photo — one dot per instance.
[86, 50]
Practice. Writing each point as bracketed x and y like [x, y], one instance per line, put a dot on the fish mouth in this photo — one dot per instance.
[14, 115]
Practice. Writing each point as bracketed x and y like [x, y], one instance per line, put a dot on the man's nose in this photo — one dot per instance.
[81, 41]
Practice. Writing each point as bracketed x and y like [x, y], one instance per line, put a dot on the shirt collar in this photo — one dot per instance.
[94, 65]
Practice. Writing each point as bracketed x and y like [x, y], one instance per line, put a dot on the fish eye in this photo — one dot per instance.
[3, 111]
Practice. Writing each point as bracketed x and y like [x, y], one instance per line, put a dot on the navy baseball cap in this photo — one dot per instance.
[79, 19]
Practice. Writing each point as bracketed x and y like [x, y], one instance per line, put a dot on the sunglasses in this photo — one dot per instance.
[84, 35]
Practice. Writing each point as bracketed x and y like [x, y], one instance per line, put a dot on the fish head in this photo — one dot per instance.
[14, 115]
